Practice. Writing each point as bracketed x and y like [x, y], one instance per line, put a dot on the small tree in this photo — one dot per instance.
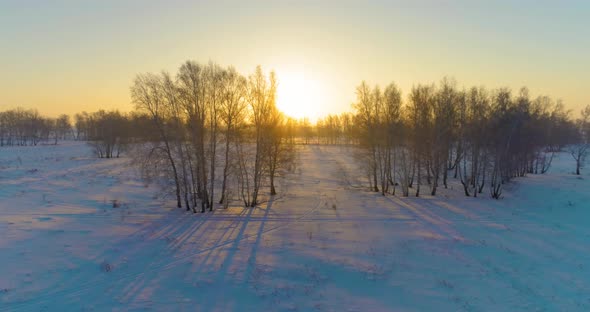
[580, 150]
[280, 149]
[108, 133]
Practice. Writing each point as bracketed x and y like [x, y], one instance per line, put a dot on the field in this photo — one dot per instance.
[84, 234]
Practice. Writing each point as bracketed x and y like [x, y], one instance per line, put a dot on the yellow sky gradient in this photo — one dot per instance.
[67, 57]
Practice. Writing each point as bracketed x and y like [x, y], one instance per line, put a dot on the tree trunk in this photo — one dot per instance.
[418, 181]
[226, 166]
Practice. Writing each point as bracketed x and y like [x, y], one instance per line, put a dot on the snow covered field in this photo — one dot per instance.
[321, 245]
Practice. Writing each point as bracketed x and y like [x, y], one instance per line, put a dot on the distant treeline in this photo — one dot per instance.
[27, 127]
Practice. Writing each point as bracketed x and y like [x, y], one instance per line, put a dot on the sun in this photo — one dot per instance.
[299, 95]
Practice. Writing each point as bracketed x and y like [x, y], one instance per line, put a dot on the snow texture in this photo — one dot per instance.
[82, 234]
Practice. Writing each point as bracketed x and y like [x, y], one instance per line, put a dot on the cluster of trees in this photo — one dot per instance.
[332, 129]
[581, 148]
[336, 129]
[212, 134]
[111, 133]
[481, 137]
[27, 127]
[108, 132]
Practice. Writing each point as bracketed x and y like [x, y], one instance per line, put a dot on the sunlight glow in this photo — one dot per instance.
[300, 95]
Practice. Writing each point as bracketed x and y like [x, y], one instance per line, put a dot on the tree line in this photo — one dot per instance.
[481, 137]
[209, 134]
[21, 127]
[108, 132]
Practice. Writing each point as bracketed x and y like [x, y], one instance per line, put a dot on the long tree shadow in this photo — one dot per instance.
[254, 252]
[223, 277]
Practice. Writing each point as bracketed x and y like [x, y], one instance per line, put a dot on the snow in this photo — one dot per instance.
[323, 244]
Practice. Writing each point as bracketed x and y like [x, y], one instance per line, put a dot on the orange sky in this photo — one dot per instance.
[67, 56]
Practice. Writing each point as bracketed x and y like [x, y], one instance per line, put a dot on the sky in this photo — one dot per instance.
[71, 56]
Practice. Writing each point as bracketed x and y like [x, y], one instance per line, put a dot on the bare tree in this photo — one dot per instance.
[232, 114]
[366, 117]
[280, 149]
[148, 95]
[422, 99]
[108, 133]
[194, 87]
[262, 95]
[579, 151]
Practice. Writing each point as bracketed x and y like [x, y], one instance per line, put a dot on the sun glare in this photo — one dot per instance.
[299, 95]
